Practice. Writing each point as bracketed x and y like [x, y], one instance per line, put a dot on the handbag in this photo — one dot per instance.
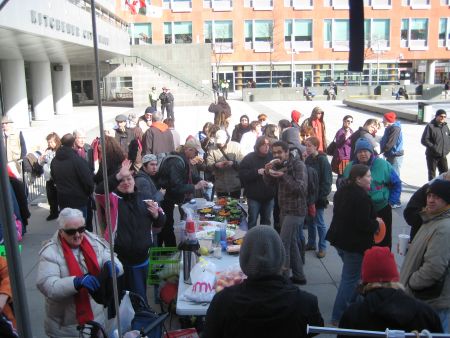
[331, 149]
[433, 291]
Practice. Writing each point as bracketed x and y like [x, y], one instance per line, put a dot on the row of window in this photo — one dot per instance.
[224, 5]
[298, 34]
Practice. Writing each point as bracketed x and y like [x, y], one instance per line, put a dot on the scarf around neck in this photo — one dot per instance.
[82, 303]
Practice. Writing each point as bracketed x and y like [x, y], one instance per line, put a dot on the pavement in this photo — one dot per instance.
[323, 275]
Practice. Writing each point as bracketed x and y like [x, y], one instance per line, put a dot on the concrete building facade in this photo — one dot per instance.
[41, 40]
[302, 42]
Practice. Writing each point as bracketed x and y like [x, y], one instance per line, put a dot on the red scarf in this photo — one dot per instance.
[82, 302]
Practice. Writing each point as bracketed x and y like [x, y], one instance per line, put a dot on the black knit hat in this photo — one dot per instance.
[262, 252]
[440, 188]
[440, 112]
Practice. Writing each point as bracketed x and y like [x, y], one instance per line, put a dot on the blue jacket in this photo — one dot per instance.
[392, 141]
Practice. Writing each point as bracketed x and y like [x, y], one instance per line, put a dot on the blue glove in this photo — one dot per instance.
[109, 266]
[87, 281]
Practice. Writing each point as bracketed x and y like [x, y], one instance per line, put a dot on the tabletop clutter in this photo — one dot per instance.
[211, 230]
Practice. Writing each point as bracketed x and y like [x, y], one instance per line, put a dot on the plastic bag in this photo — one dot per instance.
[203, 277]
[233, 275]
[126, 314]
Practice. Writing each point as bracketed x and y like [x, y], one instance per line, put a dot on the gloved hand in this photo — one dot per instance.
[108, 264]
[87, 281]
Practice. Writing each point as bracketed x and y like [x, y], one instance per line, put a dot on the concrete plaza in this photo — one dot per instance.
[323, 274]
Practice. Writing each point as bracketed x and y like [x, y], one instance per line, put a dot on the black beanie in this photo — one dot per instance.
[440, 188]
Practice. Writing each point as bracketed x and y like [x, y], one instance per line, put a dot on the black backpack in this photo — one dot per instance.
[313, 185]
[163, 172]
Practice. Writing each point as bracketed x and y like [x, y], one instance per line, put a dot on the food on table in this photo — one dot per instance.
[229, 278]
[233, 249]
[203, 251]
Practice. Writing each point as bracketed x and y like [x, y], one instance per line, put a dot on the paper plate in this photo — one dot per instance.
[379, 236]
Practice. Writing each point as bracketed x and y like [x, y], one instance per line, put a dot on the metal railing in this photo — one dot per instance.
[34, 185]
[169, 75]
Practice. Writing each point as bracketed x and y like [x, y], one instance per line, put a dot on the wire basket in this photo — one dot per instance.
[164, 263]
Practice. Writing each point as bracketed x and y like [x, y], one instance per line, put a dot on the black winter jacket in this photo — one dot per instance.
[354, 220]
[133, 237]
[253, 183]
[269, 307]
[436, 138]
[145, 184]
[238, 131]
[73, 178]
[176, 173]
[390, 308]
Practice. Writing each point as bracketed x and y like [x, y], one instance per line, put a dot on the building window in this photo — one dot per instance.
[377, 33]
[378, 4]
[259, 35]
[141, 33]
[414, 34]
[417, 4]
[168, 33]
[404, 33]
[336, 34]
[220, 33]
[259, 5]
[178, 5]
[444, 32]
[301, 30]
[178, 32]
[299, 4]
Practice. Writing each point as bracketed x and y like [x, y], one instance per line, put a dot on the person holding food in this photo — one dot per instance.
[289, 175]
[138, 217]
[223, 160]
[265, 304]
[259, 195]
[352, 232]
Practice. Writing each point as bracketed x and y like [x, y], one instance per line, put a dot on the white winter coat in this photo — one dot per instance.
[55, 283]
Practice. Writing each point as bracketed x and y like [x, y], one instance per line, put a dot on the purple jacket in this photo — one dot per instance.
[343, 146]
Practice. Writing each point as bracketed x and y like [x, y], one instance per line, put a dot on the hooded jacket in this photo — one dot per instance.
[390, 308]
[362, 133]
[73, 178]
[322, 166]
[291, 136]
[253, 183]
[391, 143]
[309, 123]
[436, 138]
[267, 307]
[157, 139]
[239, 130]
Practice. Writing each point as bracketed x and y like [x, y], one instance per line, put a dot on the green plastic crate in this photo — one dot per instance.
[164, 262]
[3, 250]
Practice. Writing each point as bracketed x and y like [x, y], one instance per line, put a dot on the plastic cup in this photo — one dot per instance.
[190, 227]
[403, 242]
[217, 236]
[223, 232]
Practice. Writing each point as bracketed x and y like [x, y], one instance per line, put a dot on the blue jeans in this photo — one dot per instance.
[319, 223]
[135, 279]
[443, 316]
[261, 208]
[396, 162]
[351, 274]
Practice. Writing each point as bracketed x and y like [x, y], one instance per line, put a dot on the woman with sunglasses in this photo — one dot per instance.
[69, 266]
[341, 155]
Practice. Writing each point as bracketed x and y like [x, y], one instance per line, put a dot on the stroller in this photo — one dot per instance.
[149, 323]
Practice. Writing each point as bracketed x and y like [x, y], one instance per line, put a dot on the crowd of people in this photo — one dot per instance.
[283, 173]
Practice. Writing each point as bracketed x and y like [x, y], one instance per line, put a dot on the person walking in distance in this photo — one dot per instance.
[436, 138]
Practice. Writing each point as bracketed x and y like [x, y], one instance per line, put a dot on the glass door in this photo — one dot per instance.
[303, 78]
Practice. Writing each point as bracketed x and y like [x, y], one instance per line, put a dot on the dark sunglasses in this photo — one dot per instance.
[72, 232]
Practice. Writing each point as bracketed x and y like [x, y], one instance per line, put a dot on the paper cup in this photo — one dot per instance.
[403, 242]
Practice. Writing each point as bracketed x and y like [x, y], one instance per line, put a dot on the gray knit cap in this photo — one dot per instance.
[262, 252]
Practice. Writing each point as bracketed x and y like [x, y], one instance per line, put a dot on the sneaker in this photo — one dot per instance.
[321, 254]
[396, 206]
[310, 247]
[299, 281]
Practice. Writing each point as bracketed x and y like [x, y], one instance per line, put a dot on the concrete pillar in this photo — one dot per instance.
[14, 91]
[41, 90]
[62, 90]
[431, 71]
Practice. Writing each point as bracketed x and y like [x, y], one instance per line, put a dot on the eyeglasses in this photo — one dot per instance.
[72, 232]
[349, 121]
